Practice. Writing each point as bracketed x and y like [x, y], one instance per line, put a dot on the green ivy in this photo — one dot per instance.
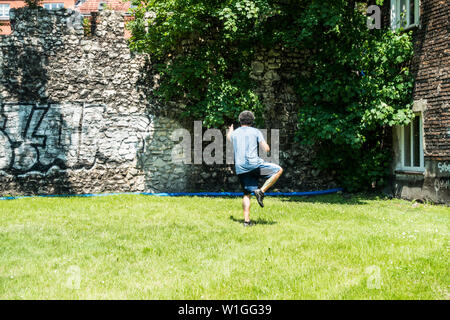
[33, 3]
[202, 51]
[357, 84]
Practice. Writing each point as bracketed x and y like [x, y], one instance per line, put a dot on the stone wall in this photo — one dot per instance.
[75, 115]
[72, 118]
[274, 70]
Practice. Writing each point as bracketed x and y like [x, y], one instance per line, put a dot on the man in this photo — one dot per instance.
[249, 166]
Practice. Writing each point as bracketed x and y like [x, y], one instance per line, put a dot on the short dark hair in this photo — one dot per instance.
[246, 118]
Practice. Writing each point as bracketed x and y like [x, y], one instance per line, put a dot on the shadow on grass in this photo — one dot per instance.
[341, 199]
[257, 221]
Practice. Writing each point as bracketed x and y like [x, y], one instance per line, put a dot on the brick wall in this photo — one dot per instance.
[431, 67]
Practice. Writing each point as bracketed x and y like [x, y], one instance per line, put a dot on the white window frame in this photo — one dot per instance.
[4, 11]
[401, 165]
[130, 9]
[53, 5]
[102, 5]
[396, 14]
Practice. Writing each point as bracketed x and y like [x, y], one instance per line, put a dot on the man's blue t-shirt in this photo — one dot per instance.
[246, 145]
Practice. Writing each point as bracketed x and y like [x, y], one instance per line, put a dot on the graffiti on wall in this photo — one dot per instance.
[443, 167]
[441, 184]
[37, 137]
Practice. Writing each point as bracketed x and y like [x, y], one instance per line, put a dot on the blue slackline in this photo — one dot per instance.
[183, 194]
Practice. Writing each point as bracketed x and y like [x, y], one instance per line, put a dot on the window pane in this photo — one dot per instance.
[412, 11]
[407, 145]
[53, 6]
[4, 10]
[403, 13]
[416, 141]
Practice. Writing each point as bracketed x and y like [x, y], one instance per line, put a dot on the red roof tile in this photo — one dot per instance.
[92, 5]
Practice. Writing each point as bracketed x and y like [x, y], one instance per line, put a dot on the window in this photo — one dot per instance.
[4, 11]
[411, 146]
[405, 13]
[130, 9]
[101, 6]
[53, 6]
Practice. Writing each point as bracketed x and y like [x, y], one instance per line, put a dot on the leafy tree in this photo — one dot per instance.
[356, 87]
[202, 51]
[359, 85]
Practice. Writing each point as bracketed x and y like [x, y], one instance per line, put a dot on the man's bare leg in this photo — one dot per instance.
[246, 207]
[271, 181]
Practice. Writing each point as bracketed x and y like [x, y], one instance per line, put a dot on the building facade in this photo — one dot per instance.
[421, 164]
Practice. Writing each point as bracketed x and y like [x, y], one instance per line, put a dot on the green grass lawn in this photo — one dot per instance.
[140, 247]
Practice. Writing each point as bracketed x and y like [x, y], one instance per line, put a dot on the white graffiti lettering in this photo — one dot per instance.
[440, 184]
[37, 137]
[443, 167]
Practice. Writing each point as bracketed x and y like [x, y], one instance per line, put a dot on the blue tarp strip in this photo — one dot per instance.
[184, 194]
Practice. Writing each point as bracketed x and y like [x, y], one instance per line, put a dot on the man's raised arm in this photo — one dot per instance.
[265, 146]
[230, 131]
